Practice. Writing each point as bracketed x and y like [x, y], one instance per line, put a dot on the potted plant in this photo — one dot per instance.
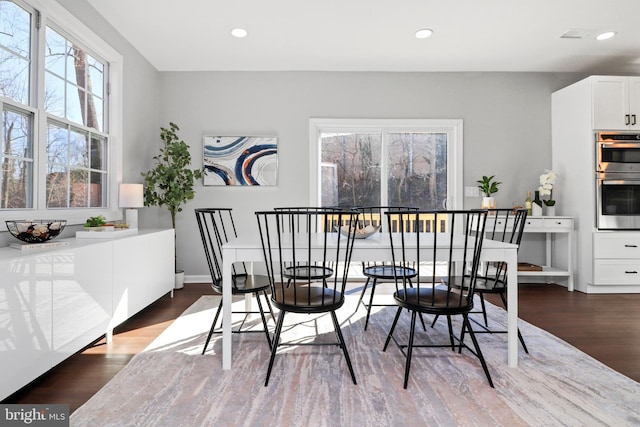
[170, 183]
[488, 186]
[547, 181]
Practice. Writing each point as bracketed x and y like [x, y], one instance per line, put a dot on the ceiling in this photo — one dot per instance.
[378, 35]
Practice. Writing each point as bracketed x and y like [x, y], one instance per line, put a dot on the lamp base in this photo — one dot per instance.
[131, 216]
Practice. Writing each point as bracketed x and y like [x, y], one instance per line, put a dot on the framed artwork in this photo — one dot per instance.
[240, 160]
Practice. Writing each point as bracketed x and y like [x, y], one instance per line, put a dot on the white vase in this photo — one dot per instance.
[536, 210]
[550, 210]
[179, 281]
[488, 203]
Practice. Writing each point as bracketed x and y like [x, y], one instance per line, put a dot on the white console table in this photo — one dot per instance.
[549, 225]
[54, 302]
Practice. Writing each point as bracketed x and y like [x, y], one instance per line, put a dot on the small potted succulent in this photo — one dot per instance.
[488, 186]
[96, 223]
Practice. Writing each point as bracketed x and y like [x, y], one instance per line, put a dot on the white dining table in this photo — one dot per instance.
[375, 248]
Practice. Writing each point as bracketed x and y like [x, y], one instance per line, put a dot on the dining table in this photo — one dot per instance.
[248, 248]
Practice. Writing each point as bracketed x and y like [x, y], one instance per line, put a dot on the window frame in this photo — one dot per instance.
[59, 18]
[452, 127]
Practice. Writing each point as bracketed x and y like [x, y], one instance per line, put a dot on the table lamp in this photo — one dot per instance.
[131, 197]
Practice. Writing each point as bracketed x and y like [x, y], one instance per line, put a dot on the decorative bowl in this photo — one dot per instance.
[37, 231]
[361, 233]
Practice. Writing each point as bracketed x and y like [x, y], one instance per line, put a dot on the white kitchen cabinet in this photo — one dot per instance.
[579, 111]
[616, 258]
[54, 302]
[616, 102]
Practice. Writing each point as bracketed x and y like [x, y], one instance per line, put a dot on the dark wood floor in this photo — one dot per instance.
[605, 326]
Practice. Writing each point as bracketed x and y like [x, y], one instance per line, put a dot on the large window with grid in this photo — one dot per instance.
[59, 142]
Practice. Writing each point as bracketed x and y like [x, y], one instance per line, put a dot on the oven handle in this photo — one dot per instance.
[605, 181]
[619, 144]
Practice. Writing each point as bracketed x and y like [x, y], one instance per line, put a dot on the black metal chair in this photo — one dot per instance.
[312, 271]
[217, 227]
[507, 226]
[377, 272]
[439, 288]
[292, 290]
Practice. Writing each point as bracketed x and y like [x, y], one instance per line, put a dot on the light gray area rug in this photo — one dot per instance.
[171, 384]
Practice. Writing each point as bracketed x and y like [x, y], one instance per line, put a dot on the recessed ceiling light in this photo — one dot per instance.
[239, 32]
[605, 36]
[424, 33]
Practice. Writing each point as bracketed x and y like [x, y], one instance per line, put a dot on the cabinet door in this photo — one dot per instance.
[25, 323]
[634, 102]
[81, 282]
[610, 102]
[143, 271]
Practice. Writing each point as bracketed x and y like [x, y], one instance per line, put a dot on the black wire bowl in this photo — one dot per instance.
[37, 231]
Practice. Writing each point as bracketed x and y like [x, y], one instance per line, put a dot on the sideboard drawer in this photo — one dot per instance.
[533, 223]
[616, 245]
[616, 272]
[558, 223]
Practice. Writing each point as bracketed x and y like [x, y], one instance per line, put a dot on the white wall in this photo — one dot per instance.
[507, 128]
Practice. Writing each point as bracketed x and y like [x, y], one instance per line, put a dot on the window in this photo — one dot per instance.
[387, 162]
[61, 128]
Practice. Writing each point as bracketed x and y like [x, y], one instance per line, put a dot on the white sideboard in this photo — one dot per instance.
[54, 302]
[549, 226]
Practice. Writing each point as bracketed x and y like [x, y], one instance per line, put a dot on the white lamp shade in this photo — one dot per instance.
[131, 196]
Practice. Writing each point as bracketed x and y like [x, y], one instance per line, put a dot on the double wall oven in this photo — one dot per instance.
[618, 181]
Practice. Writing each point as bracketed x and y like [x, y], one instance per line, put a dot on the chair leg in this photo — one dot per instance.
[484, 310]
[393, 326]
[274, 346]
[336, 325]
[467, 325]
[364, 289]
[435, 319]
[410, 349]
[504, 303]
[266, 296]
[264, 319]
[450, 328]
[373, 291]
[213, 327]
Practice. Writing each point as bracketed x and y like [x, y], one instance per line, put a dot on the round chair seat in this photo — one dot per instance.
[389, 272]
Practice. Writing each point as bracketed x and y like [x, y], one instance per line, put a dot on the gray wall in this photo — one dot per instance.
[507, 127]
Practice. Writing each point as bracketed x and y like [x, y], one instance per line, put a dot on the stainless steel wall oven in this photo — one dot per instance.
[618, 181]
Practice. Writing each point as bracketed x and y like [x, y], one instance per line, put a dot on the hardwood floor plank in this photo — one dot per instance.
[607, 327]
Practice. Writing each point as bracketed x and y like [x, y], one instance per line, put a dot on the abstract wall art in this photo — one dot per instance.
[240, 160]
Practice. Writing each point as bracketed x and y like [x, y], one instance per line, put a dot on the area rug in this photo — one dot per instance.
[171, 384]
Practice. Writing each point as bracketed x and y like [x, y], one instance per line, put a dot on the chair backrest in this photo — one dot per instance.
[303, 225]
[322, 246]
[448, 259]
[506, 225]
[217, 228]
[374, 215]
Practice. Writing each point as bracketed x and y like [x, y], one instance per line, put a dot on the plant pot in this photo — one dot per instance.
[550, 210]
[536, 210]
[179, 281]
[488, 203]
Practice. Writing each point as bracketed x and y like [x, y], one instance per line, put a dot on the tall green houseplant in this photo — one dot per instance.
[170, 183]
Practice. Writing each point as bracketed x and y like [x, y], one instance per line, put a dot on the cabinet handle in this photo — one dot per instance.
[630, 272]
[626, 119]
[630, 246]
[633, 119]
